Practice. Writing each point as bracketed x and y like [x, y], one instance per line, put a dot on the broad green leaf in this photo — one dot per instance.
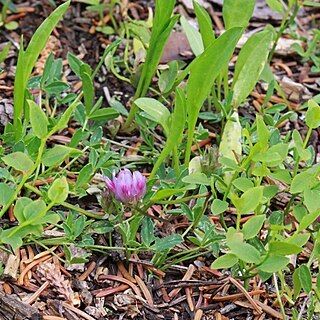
[35, 209]
[104, 114]
[253, 226]
[302, 181]
[243, 184]
[15, 242]
[6, 193]
[74, 63]
[197, 178]
[19, 207]
[237, 12]
[218, 206]
[281, 248]
[147, 232]
[275, 5]
[176, 129]
[193, 36]
[274, 264]
[245, 252]
[156, 110]
[167, 243]
[205, 70]
[313, 115]
[311, 199]
[59, 190]
[57, 155]
[38, 119]
[263, 132]
[226, 261]
[19, 161]
[305, 278]
[56, 87]
[249, 200]
[168, 77]
[250, 64]
[85, 175]
[311, 3]
[205, 24]
[27, 59]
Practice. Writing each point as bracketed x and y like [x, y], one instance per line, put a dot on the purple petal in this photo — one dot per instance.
[139, 185]
[110, 184]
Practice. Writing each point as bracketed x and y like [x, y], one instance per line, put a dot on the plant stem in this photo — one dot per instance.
[275, 280]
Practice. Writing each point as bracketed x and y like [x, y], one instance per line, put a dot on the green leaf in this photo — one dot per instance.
[6, 193]
[205, 69]
[56, 87]
[283, 248]
[19, 161]
[176, 129]
[276, 5]
[197, 178]
[249, 200]
[19, 207]
[245, 252]
[304, 154]
[311, 3]
[308, 219]
[205, 24]
[38, 119]
[313, 115]
[35, 209]
[57, 155]
[167, 243]
[311, 199]
[230, 144]
[253, 226]
[274, 264]
[104, 114]
[156, 110]
[27, 59]
[263, 132]
[88, 91]
[237, 13]
[218, 206]
[296, 283]
[165, 193]
[243, 184]
[59, 190]
[193, 36]
[85, 175]
[250, 63]
[224, 262]
[5, 51]
[62, 123]
[302, 181]
[168, 77]
[74, 63]
[147, 232]
[305, 278]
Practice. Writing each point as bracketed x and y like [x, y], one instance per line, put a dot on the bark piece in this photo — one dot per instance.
[13, 309]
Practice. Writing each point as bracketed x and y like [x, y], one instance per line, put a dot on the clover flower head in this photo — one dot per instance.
[127, 187]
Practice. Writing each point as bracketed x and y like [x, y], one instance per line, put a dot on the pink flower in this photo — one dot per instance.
[127, 187]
